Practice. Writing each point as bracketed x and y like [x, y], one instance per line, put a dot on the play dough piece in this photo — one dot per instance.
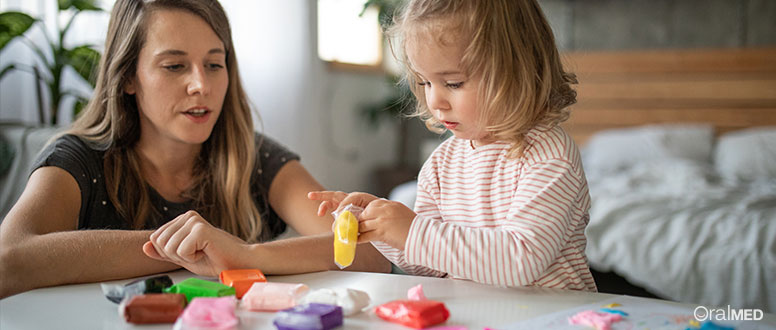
[193, 287]
[352, 301]
[117, 293]
[312, 316]
[241, 279]
[152, 308]
[413, 313]
[264, 296]
[599, 321]
[416, 293]
[209, 313]
[345, 238]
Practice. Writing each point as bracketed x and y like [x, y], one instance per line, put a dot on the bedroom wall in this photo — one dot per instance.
[314, 110]
[655, 24]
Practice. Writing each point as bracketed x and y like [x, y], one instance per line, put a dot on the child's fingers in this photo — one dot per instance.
[357, 199]
[366, 226]
[368, 237]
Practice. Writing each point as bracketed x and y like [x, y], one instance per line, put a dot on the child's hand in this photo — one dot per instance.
[386, 221]
[193, 243]
[336, 200]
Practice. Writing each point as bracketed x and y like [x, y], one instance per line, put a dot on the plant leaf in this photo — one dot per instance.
[79, 105]
[85, 61]
[78, 4]
[6, 70]
[12, 25]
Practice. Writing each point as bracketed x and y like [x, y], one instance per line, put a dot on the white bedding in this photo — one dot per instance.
[679, 230]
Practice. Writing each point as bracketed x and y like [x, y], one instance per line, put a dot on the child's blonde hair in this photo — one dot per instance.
[510, 46]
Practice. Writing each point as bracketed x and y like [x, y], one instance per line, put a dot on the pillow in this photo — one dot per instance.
[618, 149]
[747, 154]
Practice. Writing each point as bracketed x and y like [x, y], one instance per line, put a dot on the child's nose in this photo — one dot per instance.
[436, 100]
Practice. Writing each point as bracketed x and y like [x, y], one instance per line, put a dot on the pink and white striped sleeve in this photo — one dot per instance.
[425, 207]
[513, 251]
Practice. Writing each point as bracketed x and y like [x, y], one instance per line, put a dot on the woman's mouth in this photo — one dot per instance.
[198, 115]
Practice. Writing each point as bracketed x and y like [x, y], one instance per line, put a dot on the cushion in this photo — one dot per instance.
[618, 149]
[747, 154]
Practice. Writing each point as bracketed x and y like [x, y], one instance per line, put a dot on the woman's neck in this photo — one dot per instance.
[167, 167]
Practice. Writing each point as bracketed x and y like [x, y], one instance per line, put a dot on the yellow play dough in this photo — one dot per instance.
[345, 238]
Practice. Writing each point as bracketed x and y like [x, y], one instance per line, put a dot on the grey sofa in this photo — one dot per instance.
[19, 146]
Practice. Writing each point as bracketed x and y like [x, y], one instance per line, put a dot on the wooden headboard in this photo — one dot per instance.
[730, 89]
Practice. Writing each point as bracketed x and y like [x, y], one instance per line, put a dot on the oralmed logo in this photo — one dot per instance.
[702, 313]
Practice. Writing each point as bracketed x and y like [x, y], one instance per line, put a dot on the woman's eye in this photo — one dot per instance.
[455, 85]
[215, 66]
[174, 67]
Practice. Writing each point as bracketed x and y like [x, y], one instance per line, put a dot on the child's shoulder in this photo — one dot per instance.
[549, 142]
[444, 151]
[449, 145]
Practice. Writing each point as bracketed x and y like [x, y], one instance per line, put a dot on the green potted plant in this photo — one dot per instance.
[52, 57]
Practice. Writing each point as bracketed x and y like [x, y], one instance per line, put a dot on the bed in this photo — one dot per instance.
[679, 148]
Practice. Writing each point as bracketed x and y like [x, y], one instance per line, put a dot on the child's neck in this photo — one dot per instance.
[474, 144]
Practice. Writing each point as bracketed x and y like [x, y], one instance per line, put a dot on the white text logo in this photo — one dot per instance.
[702, 313]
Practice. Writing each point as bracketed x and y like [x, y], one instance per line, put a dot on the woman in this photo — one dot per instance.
[167, 135]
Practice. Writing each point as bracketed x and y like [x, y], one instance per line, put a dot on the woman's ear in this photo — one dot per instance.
[129, 87]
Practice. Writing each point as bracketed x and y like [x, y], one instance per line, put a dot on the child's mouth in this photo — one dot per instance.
[450, 124]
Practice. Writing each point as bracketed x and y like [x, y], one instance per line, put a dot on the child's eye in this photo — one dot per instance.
[174, 67]
[424, 83]
[454, 85]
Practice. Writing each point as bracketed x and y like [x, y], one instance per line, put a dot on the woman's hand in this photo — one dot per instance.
[385, 221]
[337, 200]
[193, 243]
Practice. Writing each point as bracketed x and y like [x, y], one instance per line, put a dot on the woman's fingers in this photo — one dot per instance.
[173, 246]
[150, 250]
[167, 239]
[329, 200]
[188, 250]
[326, 195]
[326, 207]
[163, 234]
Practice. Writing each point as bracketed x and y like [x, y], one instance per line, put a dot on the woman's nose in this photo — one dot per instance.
[198, 82]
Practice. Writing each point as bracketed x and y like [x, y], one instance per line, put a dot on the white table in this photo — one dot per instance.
[474, 305]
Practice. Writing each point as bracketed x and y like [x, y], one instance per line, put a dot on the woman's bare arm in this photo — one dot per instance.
[40, 245]
[192, 242]
[288, 196]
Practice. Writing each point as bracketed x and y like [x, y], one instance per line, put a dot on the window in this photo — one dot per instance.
[347, 39]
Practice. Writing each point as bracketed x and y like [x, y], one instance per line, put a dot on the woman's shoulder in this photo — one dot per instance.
[271, 156]
[68, 150]
[266, 144]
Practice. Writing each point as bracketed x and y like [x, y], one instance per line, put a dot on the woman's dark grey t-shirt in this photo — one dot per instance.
[85, 164]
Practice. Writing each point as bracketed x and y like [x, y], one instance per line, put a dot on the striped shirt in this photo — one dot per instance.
[503, 221]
